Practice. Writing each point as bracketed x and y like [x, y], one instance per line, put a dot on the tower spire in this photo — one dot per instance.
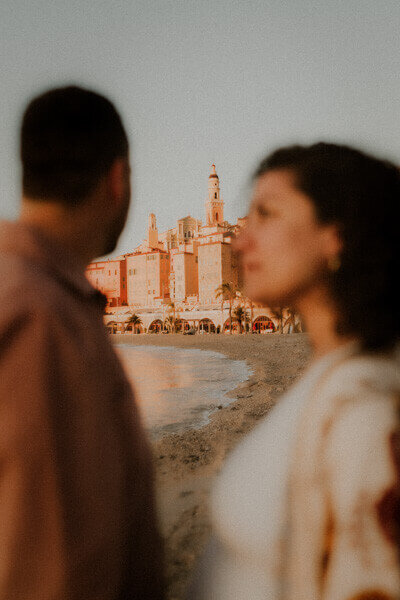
[214, 204]
[152, 232]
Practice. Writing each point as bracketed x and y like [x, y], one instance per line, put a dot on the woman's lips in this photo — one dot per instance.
[251, 267]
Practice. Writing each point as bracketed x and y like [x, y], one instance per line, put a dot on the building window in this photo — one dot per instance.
[215, 195]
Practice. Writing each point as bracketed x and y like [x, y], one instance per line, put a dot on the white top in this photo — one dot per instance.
[249, 504]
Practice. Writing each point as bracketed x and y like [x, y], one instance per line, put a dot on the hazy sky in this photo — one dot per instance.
[199, 82]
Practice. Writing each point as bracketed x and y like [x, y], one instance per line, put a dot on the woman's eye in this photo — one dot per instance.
[263, 212]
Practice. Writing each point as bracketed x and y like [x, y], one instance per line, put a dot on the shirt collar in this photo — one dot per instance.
[31, 243]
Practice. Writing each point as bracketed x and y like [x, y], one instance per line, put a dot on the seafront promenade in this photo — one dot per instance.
[208, 320]
[186, 464]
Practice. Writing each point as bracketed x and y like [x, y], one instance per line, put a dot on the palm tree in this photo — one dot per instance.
[227, 291]
[169, 323]
[247, 303]
[290, 320]
[172, 317]
[293, 322]
[134, 321]
[278, 313]
[249, 318]
[242, 316]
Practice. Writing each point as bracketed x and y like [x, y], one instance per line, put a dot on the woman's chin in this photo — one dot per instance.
[266, 297]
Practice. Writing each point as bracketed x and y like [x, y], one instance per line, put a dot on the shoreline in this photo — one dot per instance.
[187, 463]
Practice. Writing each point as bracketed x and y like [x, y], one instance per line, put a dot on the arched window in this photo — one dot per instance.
[263, 324]
[206, 325]
[215, 195]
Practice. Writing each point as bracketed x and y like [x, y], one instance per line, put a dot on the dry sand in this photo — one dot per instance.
[186, 464]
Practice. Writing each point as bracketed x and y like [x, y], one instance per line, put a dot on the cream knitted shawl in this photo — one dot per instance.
[341, 539]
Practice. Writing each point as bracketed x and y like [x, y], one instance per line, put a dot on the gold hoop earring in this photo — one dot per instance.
[334, 264]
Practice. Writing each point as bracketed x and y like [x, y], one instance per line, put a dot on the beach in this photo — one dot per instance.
[187, 463]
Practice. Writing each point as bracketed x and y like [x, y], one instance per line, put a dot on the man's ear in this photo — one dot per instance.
[116, 180]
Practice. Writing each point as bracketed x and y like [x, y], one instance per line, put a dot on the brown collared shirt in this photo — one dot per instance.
[77, 517]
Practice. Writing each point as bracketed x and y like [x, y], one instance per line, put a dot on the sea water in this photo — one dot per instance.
[176, 388]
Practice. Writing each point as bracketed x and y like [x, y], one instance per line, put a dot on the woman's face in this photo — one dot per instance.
[284, 251]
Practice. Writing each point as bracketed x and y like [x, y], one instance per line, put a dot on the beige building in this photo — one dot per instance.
[217, 265]
[147, 278]
[185, 231]
[184, 277]
[152, 241]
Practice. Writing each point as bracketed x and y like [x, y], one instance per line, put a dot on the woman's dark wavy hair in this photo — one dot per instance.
[361, 194]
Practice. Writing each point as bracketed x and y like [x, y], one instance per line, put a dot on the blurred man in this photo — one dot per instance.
[76, 500]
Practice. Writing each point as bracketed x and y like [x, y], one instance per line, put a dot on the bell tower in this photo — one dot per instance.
[214, 204]
[152, 232]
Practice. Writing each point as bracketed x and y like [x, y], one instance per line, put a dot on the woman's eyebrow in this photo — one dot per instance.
[265, 199]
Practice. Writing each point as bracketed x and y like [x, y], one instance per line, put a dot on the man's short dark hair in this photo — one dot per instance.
[69, 139]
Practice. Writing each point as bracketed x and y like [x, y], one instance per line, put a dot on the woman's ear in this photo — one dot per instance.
[333, 242]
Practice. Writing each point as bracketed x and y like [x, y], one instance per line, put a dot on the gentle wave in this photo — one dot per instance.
[177, 388]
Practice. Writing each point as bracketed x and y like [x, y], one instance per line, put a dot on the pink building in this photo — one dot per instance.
[109, 276]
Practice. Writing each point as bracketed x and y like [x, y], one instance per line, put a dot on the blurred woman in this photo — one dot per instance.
[307, 507]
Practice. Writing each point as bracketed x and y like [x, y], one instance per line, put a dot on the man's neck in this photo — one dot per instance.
[58, 224]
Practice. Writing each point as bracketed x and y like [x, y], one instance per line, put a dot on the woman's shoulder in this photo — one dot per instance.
[355, 391]
[363, 376]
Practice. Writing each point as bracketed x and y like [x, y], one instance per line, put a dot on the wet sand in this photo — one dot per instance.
[186, 464]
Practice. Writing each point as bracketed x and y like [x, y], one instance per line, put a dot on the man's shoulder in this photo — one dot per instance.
[28, 290]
